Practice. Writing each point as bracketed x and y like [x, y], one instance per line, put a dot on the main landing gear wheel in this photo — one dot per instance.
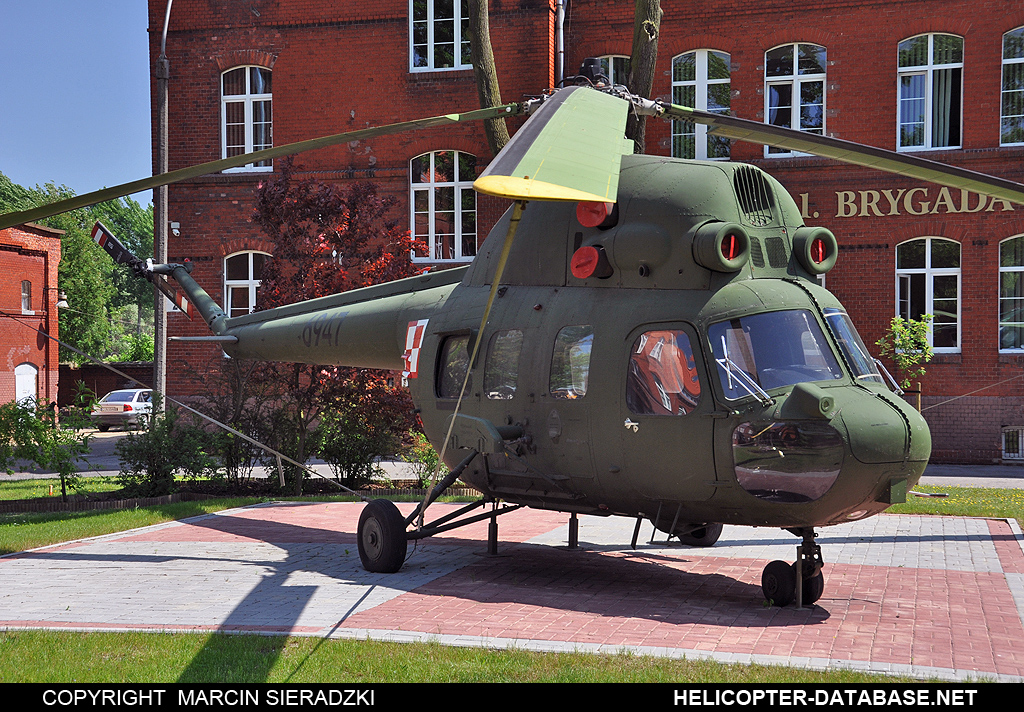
[813, 587]
[778, 582]
[707, 535]
[381, 534]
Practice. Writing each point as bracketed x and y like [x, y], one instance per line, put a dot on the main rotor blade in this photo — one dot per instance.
[118, 191]
[850, 152]
[570, 149]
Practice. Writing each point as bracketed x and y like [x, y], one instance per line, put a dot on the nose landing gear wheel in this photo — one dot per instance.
[381, 535]
[778, 582]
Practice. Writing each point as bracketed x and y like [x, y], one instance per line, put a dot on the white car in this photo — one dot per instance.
[125, 408]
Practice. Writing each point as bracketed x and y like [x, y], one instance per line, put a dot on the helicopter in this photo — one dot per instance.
[639, 336]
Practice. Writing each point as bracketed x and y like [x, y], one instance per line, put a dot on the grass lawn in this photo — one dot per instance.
[46, 656]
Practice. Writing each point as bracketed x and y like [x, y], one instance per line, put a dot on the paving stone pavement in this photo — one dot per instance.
[938, 597]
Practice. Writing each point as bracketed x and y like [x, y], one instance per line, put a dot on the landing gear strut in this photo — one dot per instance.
[781, 581]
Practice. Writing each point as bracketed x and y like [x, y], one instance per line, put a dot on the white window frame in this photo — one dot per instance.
[1013, 435]
[1012, 269]
[1006, 96]
[250, 282]
[701, 87]
[927, 71]
[461, 186]
[423, 27]
[248, 100]
[904, 274]
[795, 81]
[608, 62]
[26, 297]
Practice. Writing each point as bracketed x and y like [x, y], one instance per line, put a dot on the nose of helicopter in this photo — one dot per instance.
[884, 428]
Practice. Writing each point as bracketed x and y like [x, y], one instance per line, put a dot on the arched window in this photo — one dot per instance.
[26, 383]
[928, 282]
[1011, 294]
[443, 205]
[931, 84]
[242, 274]
[1012, 129]
[701, 80]
[794, 89]
[439, 35]
[246, 114]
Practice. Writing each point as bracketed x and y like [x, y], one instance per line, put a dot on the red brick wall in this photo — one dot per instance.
[29, 252]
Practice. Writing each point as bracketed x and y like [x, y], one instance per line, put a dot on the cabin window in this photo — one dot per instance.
[570, 362]
[662, 378]
[439, 35]
[1012, 129]
[930, 91]
[501, 372]
[246, 115]
[928, 282]
[701, 80]
[242, 278]
[443, 206]
[794, 91]
[453, 364]
[1011, 294]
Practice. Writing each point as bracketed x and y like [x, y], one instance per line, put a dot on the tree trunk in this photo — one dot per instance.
[485, 72]
[646, 28]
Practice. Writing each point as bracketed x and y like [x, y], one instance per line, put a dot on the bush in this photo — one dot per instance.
[30, 432]
[352, 448]
[167, 444]
[424, 459]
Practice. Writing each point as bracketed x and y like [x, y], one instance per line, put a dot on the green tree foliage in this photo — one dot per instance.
[906, 343]
[30, 432]
[328, 239]
[93, 286]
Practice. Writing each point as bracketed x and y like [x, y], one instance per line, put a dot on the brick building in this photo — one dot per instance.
[940, 78]
[29, 255]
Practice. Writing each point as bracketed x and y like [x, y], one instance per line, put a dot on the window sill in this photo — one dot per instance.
[246, 169]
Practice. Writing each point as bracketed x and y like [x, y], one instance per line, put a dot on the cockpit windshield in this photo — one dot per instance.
[857, 356]
[771, 350]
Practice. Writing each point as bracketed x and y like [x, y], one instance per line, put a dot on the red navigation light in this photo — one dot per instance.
[595, 214]
[730, 246]
[818, 250]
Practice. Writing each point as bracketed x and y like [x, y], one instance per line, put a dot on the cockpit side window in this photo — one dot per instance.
[570, 362]
[501, 372]
[662, 377]
[453, 363]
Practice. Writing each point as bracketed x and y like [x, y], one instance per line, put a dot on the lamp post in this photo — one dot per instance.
[160, 219]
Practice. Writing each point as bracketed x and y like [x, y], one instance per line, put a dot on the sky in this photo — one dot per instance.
[74, 93]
